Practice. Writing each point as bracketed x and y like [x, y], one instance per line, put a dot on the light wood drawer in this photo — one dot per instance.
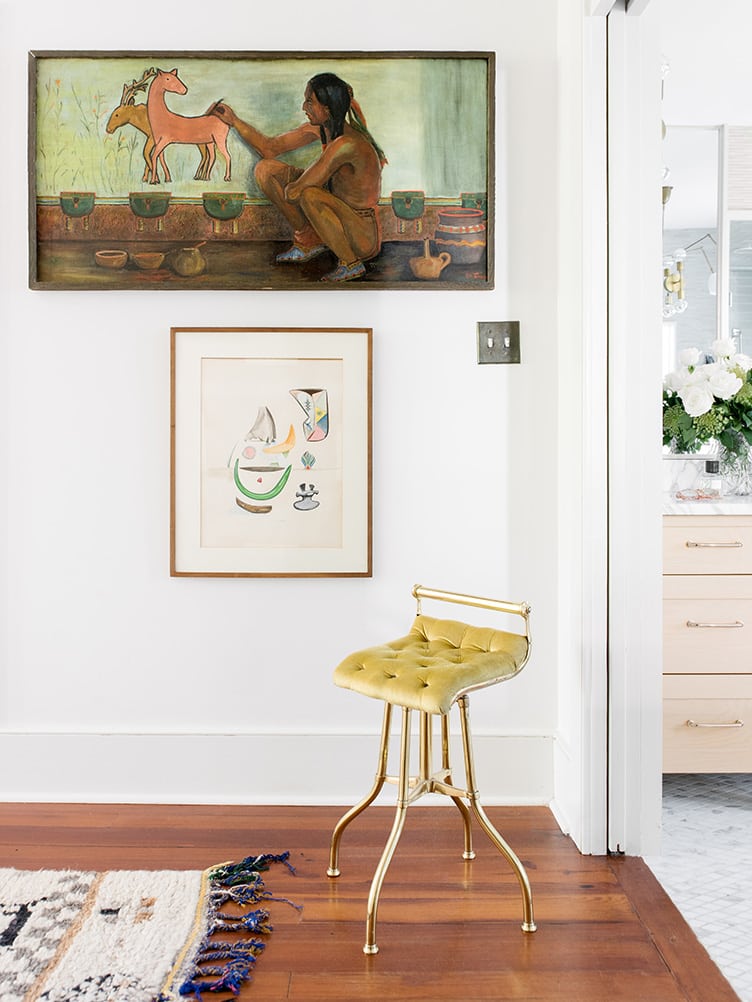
[719, 737]
[707, 546]
[707, 586]
[707, 635]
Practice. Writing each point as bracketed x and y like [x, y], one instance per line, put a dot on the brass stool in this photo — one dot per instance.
[436, 665]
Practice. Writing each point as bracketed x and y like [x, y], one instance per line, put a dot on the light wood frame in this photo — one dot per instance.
[270, 452]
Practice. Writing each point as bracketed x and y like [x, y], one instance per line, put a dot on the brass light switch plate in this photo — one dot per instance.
[498, 341]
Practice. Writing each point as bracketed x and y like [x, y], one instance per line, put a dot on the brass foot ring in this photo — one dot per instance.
[370, 950]
[332, 872]
[529, 927]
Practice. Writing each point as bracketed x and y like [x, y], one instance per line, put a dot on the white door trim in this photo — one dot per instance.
[594, 695]
[608, 750]
[634, 435]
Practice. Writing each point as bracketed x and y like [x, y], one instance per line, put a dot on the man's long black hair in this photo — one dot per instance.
[337, 96]
[333, 92]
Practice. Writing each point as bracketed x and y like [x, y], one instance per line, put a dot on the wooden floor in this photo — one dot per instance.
[448, 930]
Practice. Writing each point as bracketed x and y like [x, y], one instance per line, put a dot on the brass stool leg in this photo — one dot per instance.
[425, 746]
[460, 804]
[391, 843]
[348, 816]
[528, 924]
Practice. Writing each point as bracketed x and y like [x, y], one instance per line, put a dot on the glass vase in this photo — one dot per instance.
[736, 468]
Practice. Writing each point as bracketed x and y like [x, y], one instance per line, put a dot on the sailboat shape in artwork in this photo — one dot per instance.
[264, 429]
[315, 405]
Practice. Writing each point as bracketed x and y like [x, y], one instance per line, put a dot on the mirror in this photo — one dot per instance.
[740, 283]
[691, 239]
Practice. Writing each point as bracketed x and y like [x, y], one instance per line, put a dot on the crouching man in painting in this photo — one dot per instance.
[332, 204]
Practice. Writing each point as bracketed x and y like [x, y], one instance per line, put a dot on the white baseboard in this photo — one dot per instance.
[303, 769]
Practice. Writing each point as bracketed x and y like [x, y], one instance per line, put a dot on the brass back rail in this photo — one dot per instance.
[497, 605]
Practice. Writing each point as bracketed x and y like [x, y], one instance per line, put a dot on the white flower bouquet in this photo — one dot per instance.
[709, 398]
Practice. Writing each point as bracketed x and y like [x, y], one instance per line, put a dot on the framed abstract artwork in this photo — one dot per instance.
[266, 171]
[270, 452]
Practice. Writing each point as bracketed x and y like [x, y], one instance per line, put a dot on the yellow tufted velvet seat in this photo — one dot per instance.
[432, 670]
[438, 661]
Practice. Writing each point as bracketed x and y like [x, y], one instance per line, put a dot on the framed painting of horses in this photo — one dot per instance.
[264, 171]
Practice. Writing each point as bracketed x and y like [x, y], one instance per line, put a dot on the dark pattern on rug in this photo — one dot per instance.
[34, 926]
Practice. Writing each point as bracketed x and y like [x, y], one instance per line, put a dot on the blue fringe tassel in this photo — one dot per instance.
[242, 884]
[229, 874]
[257, 921]
[241, 949]
[230, 979]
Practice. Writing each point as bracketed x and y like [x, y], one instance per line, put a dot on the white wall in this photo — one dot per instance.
[120, 683]
[707, 50]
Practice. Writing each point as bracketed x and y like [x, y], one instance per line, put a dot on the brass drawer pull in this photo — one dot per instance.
[715, 626]
[736, 544]
[731, 723]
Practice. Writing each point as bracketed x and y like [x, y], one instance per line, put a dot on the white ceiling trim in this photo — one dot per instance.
[602, 8]
[637, 7]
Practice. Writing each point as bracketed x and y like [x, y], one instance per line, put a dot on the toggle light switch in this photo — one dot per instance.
[498, 341]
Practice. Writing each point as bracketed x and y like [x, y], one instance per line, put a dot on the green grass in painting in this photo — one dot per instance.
[74, 150]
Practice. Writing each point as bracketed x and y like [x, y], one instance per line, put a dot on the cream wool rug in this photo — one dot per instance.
[131, 936]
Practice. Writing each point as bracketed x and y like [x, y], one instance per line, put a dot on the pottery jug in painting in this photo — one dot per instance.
[188, 261]
[428, 266]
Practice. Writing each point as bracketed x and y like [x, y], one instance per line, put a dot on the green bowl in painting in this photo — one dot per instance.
[77, 203]
[408, 204]
[223, 204]
[149, 205]
[475, 200]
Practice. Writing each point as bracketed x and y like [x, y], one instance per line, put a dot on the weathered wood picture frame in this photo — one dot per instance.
[409, 180]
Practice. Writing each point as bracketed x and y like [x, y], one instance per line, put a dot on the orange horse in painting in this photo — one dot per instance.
[130, 113]
[168, 128]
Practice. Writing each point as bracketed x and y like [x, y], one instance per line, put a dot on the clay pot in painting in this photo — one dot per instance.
[428, 266]
[188, 261]
[148, 260]
[461, 231]
[112, 259]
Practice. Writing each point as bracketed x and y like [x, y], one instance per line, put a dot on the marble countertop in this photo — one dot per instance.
[726, 505]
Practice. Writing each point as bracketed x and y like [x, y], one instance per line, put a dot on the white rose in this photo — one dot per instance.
[743, 362]
[724, 384]
[697, 398]
[724, 348]
[702, 373]
[690, 356]
[676, 381]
